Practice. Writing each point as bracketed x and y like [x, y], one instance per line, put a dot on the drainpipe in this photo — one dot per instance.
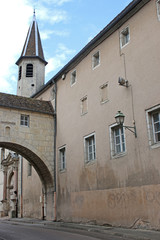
[54, 150]
[21, 186]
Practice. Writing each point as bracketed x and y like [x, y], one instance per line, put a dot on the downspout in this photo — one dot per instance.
[54, 150]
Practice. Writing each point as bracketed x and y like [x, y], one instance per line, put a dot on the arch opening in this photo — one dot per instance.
[43, 172]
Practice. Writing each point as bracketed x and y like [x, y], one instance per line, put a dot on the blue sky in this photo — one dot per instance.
[65, 26]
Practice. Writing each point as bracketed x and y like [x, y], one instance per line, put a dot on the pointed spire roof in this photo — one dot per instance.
[33, 46]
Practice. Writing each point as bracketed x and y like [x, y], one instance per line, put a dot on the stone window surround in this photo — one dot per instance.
[96, 60]
[24, 120]
[84, 109]
[149, 113]
[158, 9]
[102, 87]
[73, 77]
[92, 137]
[62, 165]
[123, 36]
[112, 142]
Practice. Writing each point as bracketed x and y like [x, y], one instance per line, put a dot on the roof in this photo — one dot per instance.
[24, 103]
[115, 24]
[33, 46]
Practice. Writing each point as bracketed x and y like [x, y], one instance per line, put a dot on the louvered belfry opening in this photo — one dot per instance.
[29, 70]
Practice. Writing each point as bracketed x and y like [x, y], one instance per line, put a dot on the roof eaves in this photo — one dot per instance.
[22, 57]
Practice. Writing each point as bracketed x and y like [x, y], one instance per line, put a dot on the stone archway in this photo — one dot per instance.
[27, 128]
[42, 170]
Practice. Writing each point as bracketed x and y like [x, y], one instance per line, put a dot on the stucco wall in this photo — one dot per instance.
[124, 190]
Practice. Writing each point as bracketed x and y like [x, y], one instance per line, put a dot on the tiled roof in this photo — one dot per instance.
[24, 103]
[33, 46]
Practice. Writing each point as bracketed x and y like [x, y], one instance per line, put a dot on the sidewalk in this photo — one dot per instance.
[135, 234]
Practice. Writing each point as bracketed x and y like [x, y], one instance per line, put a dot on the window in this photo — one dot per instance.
[62, 158]
[124, 37]
[117, 137]
[95, 59]
[20, 73]
[104, 93]
[29, 169]
[153, 123]
[73, 77]
[24, 121]
[90, 149]
[158, 9]
[84, 105]
[29, 70]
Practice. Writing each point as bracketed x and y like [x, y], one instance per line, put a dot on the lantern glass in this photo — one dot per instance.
[119, 118]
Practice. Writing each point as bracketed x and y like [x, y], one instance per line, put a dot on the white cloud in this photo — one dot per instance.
[52, 16]
[56, 2]
[46, 34]
[14, 27]
[59, 59]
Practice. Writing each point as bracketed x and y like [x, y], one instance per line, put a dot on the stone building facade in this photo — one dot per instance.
[107, 173]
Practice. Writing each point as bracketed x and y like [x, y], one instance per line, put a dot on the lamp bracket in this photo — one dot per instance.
[133, 131]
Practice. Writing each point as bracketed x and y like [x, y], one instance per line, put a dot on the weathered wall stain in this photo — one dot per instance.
[124, 199]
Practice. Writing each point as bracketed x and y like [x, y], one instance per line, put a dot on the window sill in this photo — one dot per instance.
[155, 145]
[73, 84]
[62, 171]
[124, 45]
[93, 68]
[119, 155]
[87, 163]
[105, 101]
[82, 114]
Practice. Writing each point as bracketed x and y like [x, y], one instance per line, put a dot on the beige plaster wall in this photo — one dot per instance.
[32, 193]
[120, 191]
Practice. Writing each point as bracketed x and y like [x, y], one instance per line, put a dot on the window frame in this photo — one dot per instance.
[73, 77]
[24, 120]
[88, 147]
[150, 126]
[123, 36]
[62, 162]
[94, 60]
[114, 152]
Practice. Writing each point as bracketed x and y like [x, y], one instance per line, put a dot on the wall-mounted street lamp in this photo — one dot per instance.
[120, 120]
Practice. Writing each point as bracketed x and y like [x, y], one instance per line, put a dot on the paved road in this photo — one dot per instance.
[13, 231]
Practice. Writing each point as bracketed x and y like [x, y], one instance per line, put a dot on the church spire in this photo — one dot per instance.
[31, 63]
[33, 46]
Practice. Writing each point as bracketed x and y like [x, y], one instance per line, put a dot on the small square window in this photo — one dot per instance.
[62, 158]
[104, 93]
[158, 9]
[90, 148]
[153, 123]
[84, 105]
[124, 37]
[73, 77]
[117, 139]
[96, 59]
[24, 120]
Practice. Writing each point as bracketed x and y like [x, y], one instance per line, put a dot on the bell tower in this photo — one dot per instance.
[31, 63]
